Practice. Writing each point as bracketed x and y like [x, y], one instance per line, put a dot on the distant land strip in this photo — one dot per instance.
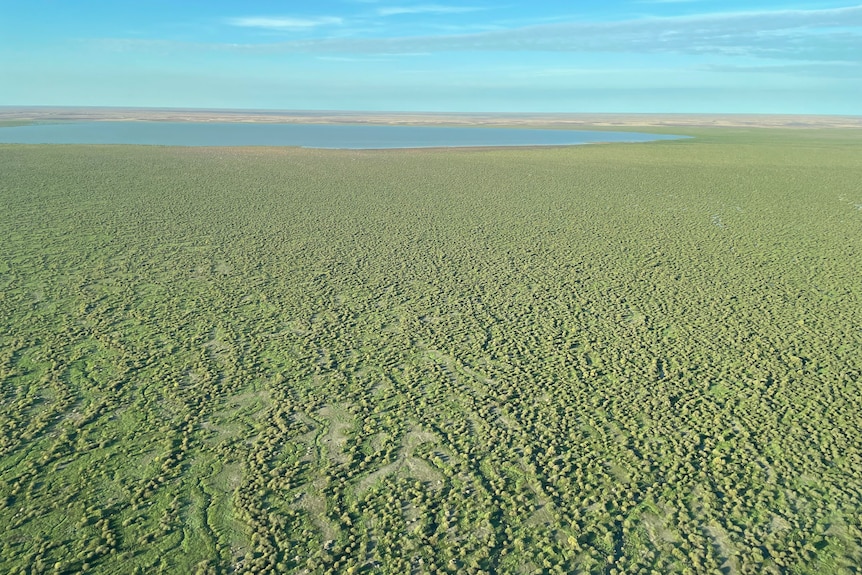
[14, 115]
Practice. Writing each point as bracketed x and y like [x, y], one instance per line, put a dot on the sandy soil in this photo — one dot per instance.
[396, 118]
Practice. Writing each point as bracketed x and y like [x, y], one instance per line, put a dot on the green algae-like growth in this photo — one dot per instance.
[623, 358]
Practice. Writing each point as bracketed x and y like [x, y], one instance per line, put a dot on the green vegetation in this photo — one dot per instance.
[601, 359]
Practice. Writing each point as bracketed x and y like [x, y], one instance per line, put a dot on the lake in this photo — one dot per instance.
[332, 136]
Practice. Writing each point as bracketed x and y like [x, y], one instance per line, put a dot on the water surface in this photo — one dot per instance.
[351, 136]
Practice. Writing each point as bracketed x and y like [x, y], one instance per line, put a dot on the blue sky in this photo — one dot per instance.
[665, 56]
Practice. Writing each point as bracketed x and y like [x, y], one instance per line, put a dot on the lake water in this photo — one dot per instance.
[304, 135]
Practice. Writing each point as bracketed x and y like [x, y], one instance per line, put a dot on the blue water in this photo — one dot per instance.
[304, 135]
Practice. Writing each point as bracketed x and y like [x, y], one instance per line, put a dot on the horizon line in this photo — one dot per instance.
[309, 111]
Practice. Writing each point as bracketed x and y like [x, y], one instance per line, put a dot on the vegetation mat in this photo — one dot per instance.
[628, 358]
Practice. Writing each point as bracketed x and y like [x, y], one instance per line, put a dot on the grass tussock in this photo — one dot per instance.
[605, 359]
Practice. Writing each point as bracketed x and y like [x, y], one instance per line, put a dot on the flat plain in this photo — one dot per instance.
[622, 358]
[28, 114]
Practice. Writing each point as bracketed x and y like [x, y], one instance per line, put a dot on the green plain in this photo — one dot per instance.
[629, 358]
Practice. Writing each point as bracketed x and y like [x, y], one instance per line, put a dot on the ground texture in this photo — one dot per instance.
[604, 359]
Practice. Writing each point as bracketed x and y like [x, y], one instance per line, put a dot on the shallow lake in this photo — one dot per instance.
[304, 135]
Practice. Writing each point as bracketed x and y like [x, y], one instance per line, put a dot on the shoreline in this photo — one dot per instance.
[14, 114]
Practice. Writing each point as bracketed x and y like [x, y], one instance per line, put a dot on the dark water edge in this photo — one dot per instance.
[327, 136]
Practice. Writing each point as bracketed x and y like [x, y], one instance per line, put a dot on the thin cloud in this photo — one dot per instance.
[370, 58]
[284, 23]
[425, 9]
[667, 1]
[828, 34]
[818, 69]
[349, 59]
[824, 35]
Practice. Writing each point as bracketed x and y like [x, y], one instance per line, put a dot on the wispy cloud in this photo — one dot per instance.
[667, 1]
[815, 69]
[824, 35]
[373, 58]
[349, 59]
[284, 23]
[425, 9]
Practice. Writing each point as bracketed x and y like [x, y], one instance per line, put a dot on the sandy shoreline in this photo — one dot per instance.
[47, 114]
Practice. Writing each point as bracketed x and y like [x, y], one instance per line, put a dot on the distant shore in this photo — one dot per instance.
[49, 114]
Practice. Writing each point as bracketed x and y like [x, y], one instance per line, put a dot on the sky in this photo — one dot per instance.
[609, 56]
